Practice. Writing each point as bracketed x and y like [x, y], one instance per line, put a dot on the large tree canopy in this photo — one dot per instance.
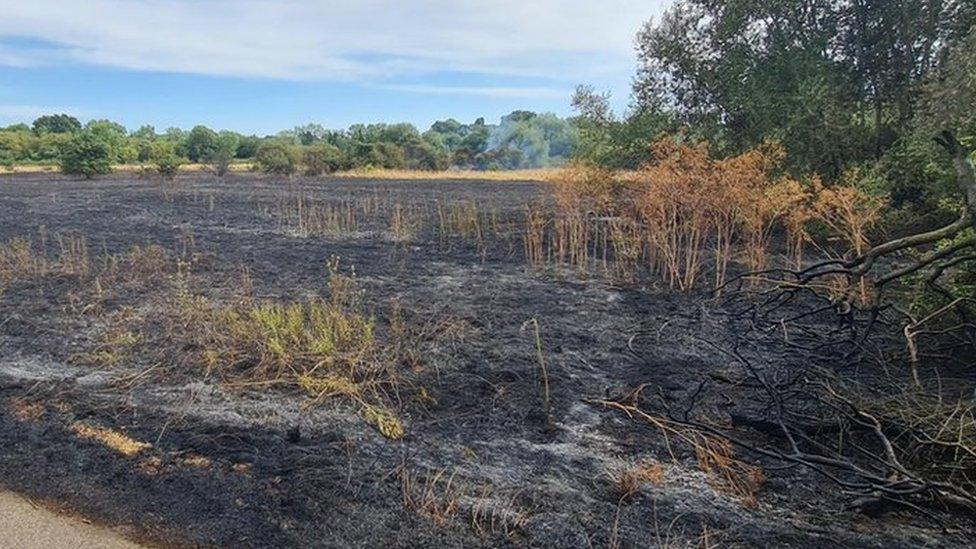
[833, 80]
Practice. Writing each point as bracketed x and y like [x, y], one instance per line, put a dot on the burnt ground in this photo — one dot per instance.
[256, 466]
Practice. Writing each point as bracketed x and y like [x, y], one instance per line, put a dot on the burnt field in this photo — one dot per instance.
[250, 362]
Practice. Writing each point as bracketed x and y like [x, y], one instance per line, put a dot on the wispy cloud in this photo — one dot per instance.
[18, 113]
[485, 91]
[370, 40]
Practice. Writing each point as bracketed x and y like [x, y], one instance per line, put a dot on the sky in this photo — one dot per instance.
[260, 66]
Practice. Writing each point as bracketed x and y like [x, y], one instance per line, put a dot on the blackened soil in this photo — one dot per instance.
[260, 467]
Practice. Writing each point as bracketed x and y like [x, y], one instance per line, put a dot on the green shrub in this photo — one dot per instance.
[224, 151]
[6, 160]
[86, 154]
[277, 158]
[322, 158]
[164, 159]
[386, 155]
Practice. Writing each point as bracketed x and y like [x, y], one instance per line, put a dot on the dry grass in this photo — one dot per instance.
[119, 442]
[306, 217]
[111, 351]
[24, 259]
[435, 494]
[467, 221]
[494, 515]
[726, 473]
[319, 339]
[328, 348]
[28, 258]
[405, 222]
[467, 175]
[629, 479]
[937, 435]
[25, 410]
[540, 357]
[29, 168]
[20, 260]
[131, 168]
[360, 173]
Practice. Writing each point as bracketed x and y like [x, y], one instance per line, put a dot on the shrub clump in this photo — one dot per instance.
[86, 154]
[277, 159]
[164, 159]
[225, 148]
[322, 158]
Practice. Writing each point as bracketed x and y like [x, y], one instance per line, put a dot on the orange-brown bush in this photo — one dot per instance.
[669, 215]
[849, 213]
[685, 212]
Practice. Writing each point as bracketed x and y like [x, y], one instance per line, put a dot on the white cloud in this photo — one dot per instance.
[485, 91]
[20, 113]
[371, 40]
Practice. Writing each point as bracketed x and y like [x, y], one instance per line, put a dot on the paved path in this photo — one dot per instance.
[27, 526]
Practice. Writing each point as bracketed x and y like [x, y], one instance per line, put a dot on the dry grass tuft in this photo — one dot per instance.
[111, 438]
[405, 223]
[316, 341]
[19, 260]
[385, 421]
[25, 410]
[112, 350]
[628, 480]
[494, 515]
[937, 434]
[435, 494]
[195, 461]
[725, 471]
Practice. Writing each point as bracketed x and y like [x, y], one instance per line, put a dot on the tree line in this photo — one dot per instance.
[522, 139]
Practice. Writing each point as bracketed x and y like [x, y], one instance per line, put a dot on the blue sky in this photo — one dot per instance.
[261, 65]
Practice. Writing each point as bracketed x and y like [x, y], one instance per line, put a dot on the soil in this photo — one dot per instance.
[254, 466]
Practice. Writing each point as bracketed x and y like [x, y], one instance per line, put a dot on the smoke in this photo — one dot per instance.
[535, 139]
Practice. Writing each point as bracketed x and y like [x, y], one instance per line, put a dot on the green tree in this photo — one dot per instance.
[200, 144]
[309, 133]
[56, 123]
[833, 81]
[427, 154]
[915, 168]
[248, 146]
[146, 132]
[87, 154]
[539, 138]
[114, 135]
